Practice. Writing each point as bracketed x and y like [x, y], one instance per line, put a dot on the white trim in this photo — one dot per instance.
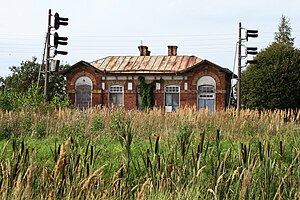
[171, 89]
[185, 86]
[116, 89]
[129, 86]
[157, 86]
[209, 82]
[206, 80]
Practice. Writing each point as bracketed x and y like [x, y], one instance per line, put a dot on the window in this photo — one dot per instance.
[172, 98]
[116, 95]
[206, 97]
[83, 92]
[206, 93]
[129, 86]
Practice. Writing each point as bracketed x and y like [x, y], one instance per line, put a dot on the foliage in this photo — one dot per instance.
[146, 92]
[23, 76]
[284, 32]
[32, 99]
[20, 89]
[273, 83]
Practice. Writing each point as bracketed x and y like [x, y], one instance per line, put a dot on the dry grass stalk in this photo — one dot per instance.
[213, 193]
[200, 170]
[86, 183]
[62, 157]
[51, 195]
[18, 187]
[161, 181]
[218, 181]
[44, 176]
[246, 181]
[116, 176]
[140, 194]
[30, 173]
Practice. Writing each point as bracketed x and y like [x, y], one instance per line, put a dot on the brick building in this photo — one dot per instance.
[113, 81]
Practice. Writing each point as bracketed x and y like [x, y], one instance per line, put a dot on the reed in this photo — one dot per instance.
[118, 154]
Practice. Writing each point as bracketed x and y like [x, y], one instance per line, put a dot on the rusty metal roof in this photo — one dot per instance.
[145, 64]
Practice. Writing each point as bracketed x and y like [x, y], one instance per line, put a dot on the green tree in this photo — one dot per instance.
[23, 76]
[284, 32]
[274, 82]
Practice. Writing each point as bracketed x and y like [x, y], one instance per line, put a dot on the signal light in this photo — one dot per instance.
[251, 62]
[59, 40]
[251, 50]
[60, 52]
[60, 21]
[251, 33]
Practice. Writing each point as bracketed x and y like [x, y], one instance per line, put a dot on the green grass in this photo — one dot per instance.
[150, 155]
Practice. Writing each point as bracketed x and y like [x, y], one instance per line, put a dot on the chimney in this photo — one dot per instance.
[144, 51]
[172, 50]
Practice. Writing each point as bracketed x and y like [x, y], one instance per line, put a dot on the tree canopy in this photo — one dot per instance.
[284, 34]
[23, 76]
[274, 82]
[21, 89]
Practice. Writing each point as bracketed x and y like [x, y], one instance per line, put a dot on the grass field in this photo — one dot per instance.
[116, 154]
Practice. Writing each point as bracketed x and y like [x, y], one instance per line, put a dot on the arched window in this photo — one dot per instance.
[206, 93]
[172, 99]
[116, 95]
[83, 92]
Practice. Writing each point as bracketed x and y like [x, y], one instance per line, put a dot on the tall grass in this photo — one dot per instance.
[117, 154]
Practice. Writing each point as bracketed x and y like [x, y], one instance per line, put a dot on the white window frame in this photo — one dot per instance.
[171, 89]
[116, 89]
[206, 82]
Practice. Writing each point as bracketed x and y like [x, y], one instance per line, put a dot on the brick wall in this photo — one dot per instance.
[187, 98]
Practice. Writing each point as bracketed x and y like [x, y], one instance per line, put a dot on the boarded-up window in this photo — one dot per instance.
[83, 95]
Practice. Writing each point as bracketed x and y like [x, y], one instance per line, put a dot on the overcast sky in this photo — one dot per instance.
[98, 28]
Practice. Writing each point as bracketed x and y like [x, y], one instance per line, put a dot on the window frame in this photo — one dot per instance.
[208, 94]
[172, 90]
[115, 89]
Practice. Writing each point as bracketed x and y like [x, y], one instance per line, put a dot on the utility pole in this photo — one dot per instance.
[249, 50]
[239, 67]
[47, 56]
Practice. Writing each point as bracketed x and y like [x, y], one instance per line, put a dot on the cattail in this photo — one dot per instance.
[244, 154]
[148, 159]
[281, 149]
[140, 195]
[156, 145]
[62, 156]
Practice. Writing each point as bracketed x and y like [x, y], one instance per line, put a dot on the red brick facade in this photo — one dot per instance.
[101, 81]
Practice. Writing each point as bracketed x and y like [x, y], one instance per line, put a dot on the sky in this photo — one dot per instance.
[207, 29]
